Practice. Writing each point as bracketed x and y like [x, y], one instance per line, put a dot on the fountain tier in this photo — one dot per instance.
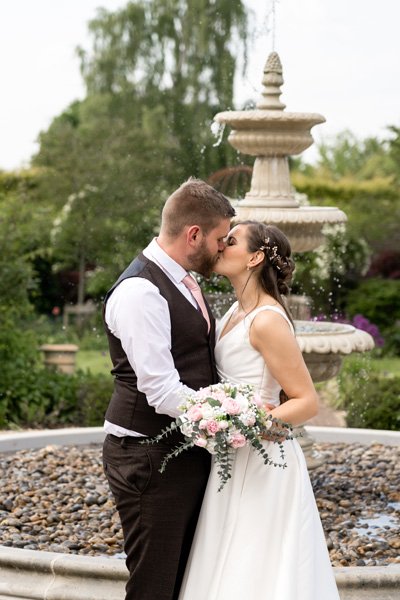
[324, 344]
[271, 135]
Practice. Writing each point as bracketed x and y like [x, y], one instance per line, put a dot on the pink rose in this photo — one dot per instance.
[194, 413]
[220, 396]
[258, 400]
[231, 406]
[212, 427]
[237, 440]
[200, 441]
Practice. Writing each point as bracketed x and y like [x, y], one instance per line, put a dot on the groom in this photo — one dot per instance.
[161, 336]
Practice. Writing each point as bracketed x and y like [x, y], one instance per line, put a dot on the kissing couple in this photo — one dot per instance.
[261, 537]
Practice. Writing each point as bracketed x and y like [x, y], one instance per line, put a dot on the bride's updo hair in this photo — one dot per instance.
[276, 271]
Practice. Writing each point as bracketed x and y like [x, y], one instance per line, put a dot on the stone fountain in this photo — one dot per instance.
[271, 134]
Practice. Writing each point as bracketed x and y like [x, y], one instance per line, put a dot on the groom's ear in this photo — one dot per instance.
[192, 234]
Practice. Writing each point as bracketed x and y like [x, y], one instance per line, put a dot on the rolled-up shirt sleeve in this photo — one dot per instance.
[138, 315]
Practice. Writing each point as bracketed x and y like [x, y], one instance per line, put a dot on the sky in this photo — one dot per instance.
[340, 59]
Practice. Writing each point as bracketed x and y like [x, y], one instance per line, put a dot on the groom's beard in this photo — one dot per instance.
[203, 262]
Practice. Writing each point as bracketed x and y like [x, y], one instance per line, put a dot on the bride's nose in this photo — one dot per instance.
[221, 245]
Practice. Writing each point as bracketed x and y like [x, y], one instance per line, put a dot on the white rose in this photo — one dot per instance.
[211, 446]
[242, 401]
[247, 419]
[207, 412]
[187, 429]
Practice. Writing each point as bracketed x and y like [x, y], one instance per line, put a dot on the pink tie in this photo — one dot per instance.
[194, 289]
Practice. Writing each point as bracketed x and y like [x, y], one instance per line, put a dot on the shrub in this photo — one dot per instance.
[377, 299]
[379, 408]
[385, 264]
[329, 273]
[47, 398]
[19, 358]
[43, 398]
[94, 393]
[392, 340]
[371, 400]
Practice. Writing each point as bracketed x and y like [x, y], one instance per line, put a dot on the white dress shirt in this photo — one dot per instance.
[138, 315]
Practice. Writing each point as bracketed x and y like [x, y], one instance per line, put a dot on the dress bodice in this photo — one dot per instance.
[237, 360]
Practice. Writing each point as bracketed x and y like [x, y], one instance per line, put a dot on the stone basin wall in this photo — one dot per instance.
[58, 503]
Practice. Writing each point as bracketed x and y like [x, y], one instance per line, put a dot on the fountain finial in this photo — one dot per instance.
[272, 81]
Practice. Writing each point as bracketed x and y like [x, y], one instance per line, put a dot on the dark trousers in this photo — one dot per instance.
[158, 511]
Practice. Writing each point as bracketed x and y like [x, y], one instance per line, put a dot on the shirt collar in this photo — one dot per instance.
[168, 264]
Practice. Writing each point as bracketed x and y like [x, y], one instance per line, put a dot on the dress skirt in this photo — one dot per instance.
[261, 537]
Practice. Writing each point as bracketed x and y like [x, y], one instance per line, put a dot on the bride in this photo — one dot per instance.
[261, 537]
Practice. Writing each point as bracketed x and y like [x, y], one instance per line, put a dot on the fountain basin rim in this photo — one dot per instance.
[50, 574]
[30, 440]
[257, 118]
[323, 328]
[302, 214]
[327, 338]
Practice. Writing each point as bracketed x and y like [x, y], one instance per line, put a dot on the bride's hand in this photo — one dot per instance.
[277, 432]
[267, 436]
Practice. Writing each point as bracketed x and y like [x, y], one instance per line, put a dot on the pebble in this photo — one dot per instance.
[57, 499]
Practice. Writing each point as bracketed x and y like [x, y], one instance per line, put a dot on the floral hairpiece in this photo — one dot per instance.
[272, 253]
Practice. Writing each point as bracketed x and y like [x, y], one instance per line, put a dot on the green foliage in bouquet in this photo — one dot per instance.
[222, 418]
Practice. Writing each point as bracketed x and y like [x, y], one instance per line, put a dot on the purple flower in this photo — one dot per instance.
[361, 322]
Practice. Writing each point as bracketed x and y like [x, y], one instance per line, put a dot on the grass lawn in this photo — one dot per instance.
[96, 361]
[387, 365]
[384, 366]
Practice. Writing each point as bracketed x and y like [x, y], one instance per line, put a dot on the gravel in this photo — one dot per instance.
[57, 499]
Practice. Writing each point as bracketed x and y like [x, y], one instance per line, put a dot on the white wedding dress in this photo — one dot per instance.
[261, 537]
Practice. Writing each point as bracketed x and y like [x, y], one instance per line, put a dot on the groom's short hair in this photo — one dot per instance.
[195, 203]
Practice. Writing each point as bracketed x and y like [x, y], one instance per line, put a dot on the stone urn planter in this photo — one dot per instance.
[60, 357]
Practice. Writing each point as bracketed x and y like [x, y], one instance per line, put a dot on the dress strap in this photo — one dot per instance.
[276, 309]
[229, 312]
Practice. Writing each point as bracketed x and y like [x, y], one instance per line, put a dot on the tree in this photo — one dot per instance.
[360, 177]
[394, 150]
[102, 179]
[348, 156]
[18, 237]
[156, 74]
[180, 55]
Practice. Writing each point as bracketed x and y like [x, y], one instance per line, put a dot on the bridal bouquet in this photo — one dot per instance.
[221, 418]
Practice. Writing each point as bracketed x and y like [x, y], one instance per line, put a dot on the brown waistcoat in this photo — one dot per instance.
[191, 347]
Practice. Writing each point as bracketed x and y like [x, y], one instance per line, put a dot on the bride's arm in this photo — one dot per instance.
[271, 336]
